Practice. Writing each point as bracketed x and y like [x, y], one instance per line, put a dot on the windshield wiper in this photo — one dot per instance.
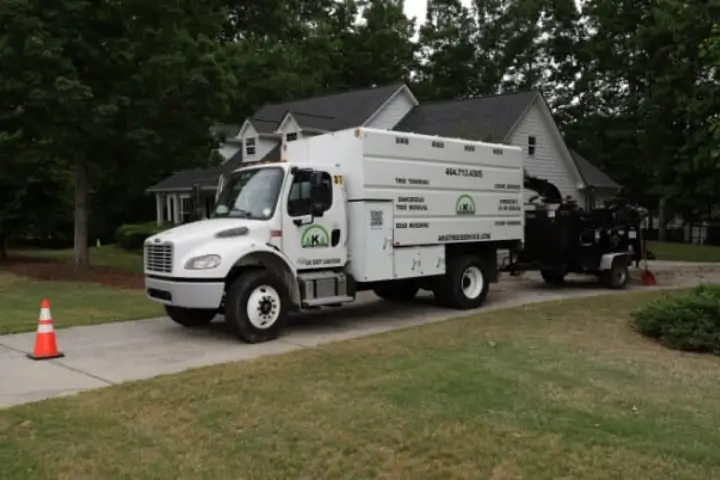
[241, 212]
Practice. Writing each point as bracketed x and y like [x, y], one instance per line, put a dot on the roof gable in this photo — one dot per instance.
[328, 112]
[592, 175]
[485, 118]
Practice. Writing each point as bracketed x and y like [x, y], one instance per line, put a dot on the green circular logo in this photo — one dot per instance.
[315, 236]
[465, 205]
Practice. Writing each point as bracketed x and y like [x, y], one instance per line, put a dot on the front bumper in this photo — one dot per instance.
[186, 293]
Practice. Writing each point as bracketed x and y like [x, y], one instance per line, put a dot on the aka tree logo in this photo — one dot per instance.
[465, 205]
[315, 237]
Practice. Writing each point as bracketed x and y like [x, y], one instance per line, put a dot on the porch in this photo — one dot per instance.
[181, 206]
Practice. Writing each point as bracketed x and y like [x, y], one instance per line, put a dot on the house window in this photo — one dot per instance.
[250, 146]
[469, 148]
[436, 144]
[402, 140]
[291, 136]
[532, 143]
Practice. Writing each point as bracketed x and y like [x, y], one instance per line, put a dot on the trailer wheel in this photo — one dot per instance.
[617, 277]
[397, 291]
[553, 277]
[465, 285]
[256, 306]
[190, 317]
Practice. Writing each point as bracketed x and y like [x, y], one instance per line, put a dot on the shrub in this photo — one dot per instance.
[687, 321]
[132, 236]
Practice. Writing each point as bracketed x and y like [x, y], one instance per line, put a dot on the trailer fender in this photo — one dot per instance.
[607, 259]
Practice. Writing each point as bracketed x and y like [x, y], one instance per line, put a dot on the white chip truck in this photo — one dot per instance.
[358, 209]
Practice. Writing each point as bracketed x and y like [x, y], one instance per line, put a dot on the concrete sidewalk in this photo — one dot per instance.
[102, 355]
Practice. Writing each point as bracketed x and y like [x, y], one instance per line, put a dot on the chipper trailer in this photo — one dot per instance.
[562, 238]
[358, 209]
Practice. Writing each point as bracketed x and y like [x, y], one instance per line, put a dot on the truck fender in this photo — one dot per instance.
[607, 259]
[274, 262]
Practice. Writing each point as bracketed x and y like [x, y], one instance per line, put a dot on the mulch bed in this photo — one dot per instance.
[48, 269]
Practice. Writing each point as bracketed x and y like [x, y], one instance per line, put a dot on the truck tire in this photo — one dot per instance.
[256, 306]
[190, 317]
[553, 277]
[398, 291]
[617, 277]
[465, 284]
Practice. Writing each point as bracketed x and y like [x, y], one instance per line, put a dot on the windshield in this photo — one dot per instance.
[250, 194]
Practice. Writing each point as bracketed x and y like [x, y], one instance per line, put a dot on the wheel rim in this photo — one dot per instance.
[263, 307]
[472, 282]
[620, 275]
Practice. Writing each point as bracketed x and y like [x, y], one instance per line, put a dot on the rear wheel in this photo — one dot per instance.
[190, 317]
[553, 277]
[465, 285]
[398, 291]
[256, 307]
[617, 277]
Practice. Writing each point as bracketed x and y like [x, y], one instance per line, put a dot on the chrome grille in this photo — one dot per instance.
[159, 257]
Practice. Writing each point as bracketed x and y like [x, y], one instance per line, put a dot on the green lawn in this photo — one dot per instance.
[72, 303]
[685, 252]
[558, 390]
[108, 256]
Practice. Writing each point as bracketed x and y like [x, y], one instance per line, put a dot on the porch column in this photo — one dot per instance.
[159, 208]
[168, 204]
[176, 210]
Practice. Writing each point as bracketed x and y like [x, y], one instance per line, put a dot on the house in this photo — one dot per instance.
[522, 119]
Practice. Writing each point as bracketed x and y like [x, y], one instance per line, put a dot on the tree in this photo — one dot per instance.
[647, 95]
[448, 52]
[112, 87]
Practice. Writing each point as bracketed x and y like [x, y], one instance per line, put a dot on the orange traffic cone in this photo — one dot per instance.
[45, 345]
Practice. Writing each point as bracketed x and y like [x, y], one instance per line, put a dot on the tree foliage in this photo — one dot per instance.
[105, 97]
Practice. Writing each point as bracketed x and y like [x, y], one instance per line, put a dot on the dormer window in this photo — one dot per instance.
[532, 143]
[250, 146]
[291, 137]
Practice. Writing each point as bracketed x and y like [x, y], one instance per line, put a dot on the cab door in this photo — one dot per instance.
[314, 233]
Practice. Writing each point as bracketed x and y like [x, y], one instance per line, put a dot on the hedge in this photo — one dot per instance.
[132, 236]
[688, 321]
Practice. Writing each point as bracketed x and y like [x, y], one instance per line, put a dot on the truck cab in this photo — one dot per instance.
[274, 227]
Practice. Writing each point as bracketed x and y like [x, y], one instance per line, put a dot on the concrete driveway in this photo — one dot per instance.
[102, 355]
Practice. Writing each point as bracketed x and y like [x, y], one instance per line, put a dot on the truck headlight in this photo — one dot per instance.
[204, 262]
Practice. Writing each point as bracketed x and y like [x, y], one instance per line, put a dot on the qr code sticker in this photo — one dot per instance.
[376, 218]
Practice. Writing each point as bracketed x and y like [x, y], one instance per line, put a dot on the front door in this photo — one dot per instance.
[315, 241]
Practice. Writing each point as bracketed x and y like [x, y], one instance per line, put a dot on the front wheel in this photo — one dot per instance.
[617, 277]
[465, 285]
[256, 307]
[190, 317]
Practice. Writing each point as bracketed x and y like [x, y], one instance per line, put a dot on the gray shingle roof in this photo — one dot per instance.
[225, 129]
[206, 177]
[485, 118]
[329, 112]
[593, 176]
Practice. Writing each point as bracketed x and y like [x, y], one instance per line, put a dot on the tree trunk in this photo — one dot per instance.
[81, 254]
[3, 246]
[662, 221]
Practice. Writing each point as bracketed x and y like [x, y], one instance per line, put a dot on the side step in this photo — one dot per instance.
[324, 288]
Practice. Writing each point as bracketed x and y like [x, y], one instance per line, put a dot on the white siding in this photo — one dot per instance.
[392, 112]
[262, 147]
[227, 150]
[548, 162]
[289, 125]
